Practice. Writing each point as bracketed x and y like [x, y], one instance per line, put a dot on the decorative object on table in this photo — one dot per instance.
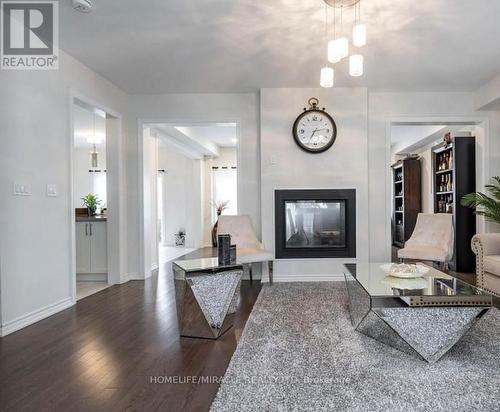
[232, 255]
[219, 208]
[314, 130]
[484, 205]
[206, 297]
[404, 270]
[224, 249]
[250, 250]
[91, 202]
[180, 238]
[416, 283]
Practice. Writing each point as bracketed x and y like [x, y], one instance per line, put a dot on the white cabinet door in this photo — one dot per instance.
[82, 247]
[98, 248]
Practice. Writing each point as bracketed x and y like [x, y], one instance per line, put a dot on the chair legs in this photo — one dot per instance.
[270, 272]
[250, 272]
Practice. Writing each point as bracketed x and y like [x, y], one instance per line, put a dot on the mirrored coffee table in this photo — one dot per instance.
[206, 295]
[423, 316]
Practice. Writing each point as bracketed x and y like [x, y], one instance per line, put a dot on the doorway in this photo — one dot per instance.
[94, 208]
[423, 176]
[195, 169]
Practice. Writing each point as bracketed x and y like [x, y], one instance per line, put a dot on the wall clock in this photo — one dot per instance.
[314, 130]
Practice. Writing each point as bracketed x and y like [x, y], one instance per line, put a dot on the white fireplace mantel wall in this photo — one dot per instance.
[285, 166]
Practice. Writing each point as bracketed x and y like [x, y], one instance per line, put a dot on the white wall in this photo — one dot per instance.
[181, 203]
[385, 107]
[285, 166]
[35, 138]
[191, 108]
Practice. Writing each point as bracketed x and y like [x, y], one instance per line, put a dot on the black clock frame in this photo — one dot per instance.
[302, 146]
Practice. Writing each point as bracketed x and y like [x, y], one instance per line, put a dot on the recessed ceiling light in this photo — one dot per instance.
[83, 6]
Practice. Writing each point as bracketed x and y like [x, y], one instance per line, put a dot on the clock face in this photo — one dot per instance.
[314, 131]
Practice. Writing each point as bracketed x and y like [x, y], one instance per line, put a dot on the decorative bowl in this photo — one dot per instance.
[404, 270]
[408, 284]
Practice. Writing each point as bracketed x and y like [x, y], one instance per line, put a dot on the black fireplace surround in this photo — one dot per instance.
[315, 223]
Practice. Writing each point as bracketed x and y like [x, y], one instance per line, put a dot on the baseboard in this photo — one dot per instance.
[35, 316]
[135, 276]
[91, 277]
[305, 278]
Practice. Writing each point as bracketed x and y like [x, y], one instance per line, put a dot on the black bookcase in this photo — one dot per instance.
[454, 174]
[406, 199]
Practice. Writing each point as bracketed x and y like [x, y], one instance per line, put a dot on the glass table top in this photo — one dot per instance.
[377, 283]
[209, 263]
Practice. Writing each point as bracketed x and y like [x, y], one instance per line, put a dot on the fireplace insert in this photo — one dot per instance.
[315, 223]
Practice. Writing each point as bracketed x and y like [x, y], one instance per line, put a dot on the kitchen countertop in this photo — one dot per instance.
[96, 218]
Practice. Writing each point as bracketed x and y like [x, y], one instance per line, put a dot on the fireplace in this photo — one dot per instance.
[315, 223]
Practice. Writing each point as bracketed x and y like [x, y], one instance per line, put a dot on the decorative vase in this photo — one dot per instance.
[91, 211]
[214, 232]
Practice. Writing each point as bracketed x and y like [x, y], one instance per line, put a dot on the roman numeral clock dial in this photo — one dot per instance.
[314, 130]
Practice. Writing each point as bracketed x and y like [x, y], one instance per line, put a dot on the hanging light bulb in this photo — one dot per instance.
[356, 65]
[327, 77]
[338, 49]
[359, 35]
[359, 30]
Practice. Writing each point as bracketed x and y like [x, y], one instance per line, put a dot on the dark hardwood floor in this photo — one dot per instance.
[113, 350]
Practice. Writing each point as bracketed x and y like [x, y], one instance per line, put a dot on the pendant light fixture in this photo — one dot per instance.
[327, 75]
[338, 47]
[359, 30]
[356, 65]
[94, 164]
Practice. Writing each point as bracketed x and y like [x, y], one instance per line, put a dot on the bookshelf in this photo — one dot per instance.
[454, 175]
[406, 199]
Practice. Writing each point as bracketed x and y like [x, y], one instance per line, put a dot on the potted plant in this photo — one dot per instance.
[485, 205]
[219, 208]
[91, 202]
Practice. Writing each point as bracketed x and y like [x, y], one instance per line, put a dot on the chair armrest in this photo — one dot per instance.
[486, 244]
[483, 245]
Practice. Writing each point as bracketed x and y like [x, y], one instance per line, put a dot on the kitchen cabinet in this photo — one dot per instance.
[91, 247]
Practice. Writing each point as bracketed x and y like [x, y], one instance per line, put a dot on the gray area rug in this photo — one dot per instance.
[299, 352]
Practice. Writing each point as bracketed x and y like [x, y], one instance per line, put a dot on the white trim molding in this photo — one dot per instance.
[35, 316]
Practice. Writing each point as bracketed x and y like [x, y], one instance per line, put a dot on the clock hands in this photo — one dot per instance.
[313, 133]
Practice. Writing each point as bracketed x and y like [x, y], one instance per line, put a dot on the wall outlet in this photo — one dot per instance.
[21, 189]
[51, 190]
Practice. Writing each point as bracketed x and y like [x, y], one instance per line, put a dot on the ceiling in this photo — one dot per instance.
[196, 140]
[221, 134]
[163, 46]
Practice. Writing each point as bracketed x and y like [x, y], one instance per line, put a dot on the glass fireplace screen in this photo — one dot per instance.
[315, 223]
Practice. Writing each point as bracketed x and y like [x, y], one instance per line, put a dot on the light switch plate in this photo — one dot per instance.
[21, 189]
[51, 190]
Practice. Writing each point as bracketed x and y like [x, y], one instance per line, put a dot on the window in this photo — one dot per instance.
[224, 188]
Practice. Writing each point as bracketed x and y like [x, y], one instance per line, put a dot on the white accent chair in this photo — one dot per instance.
[486, 246]
[432, 239]
[248, 248]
